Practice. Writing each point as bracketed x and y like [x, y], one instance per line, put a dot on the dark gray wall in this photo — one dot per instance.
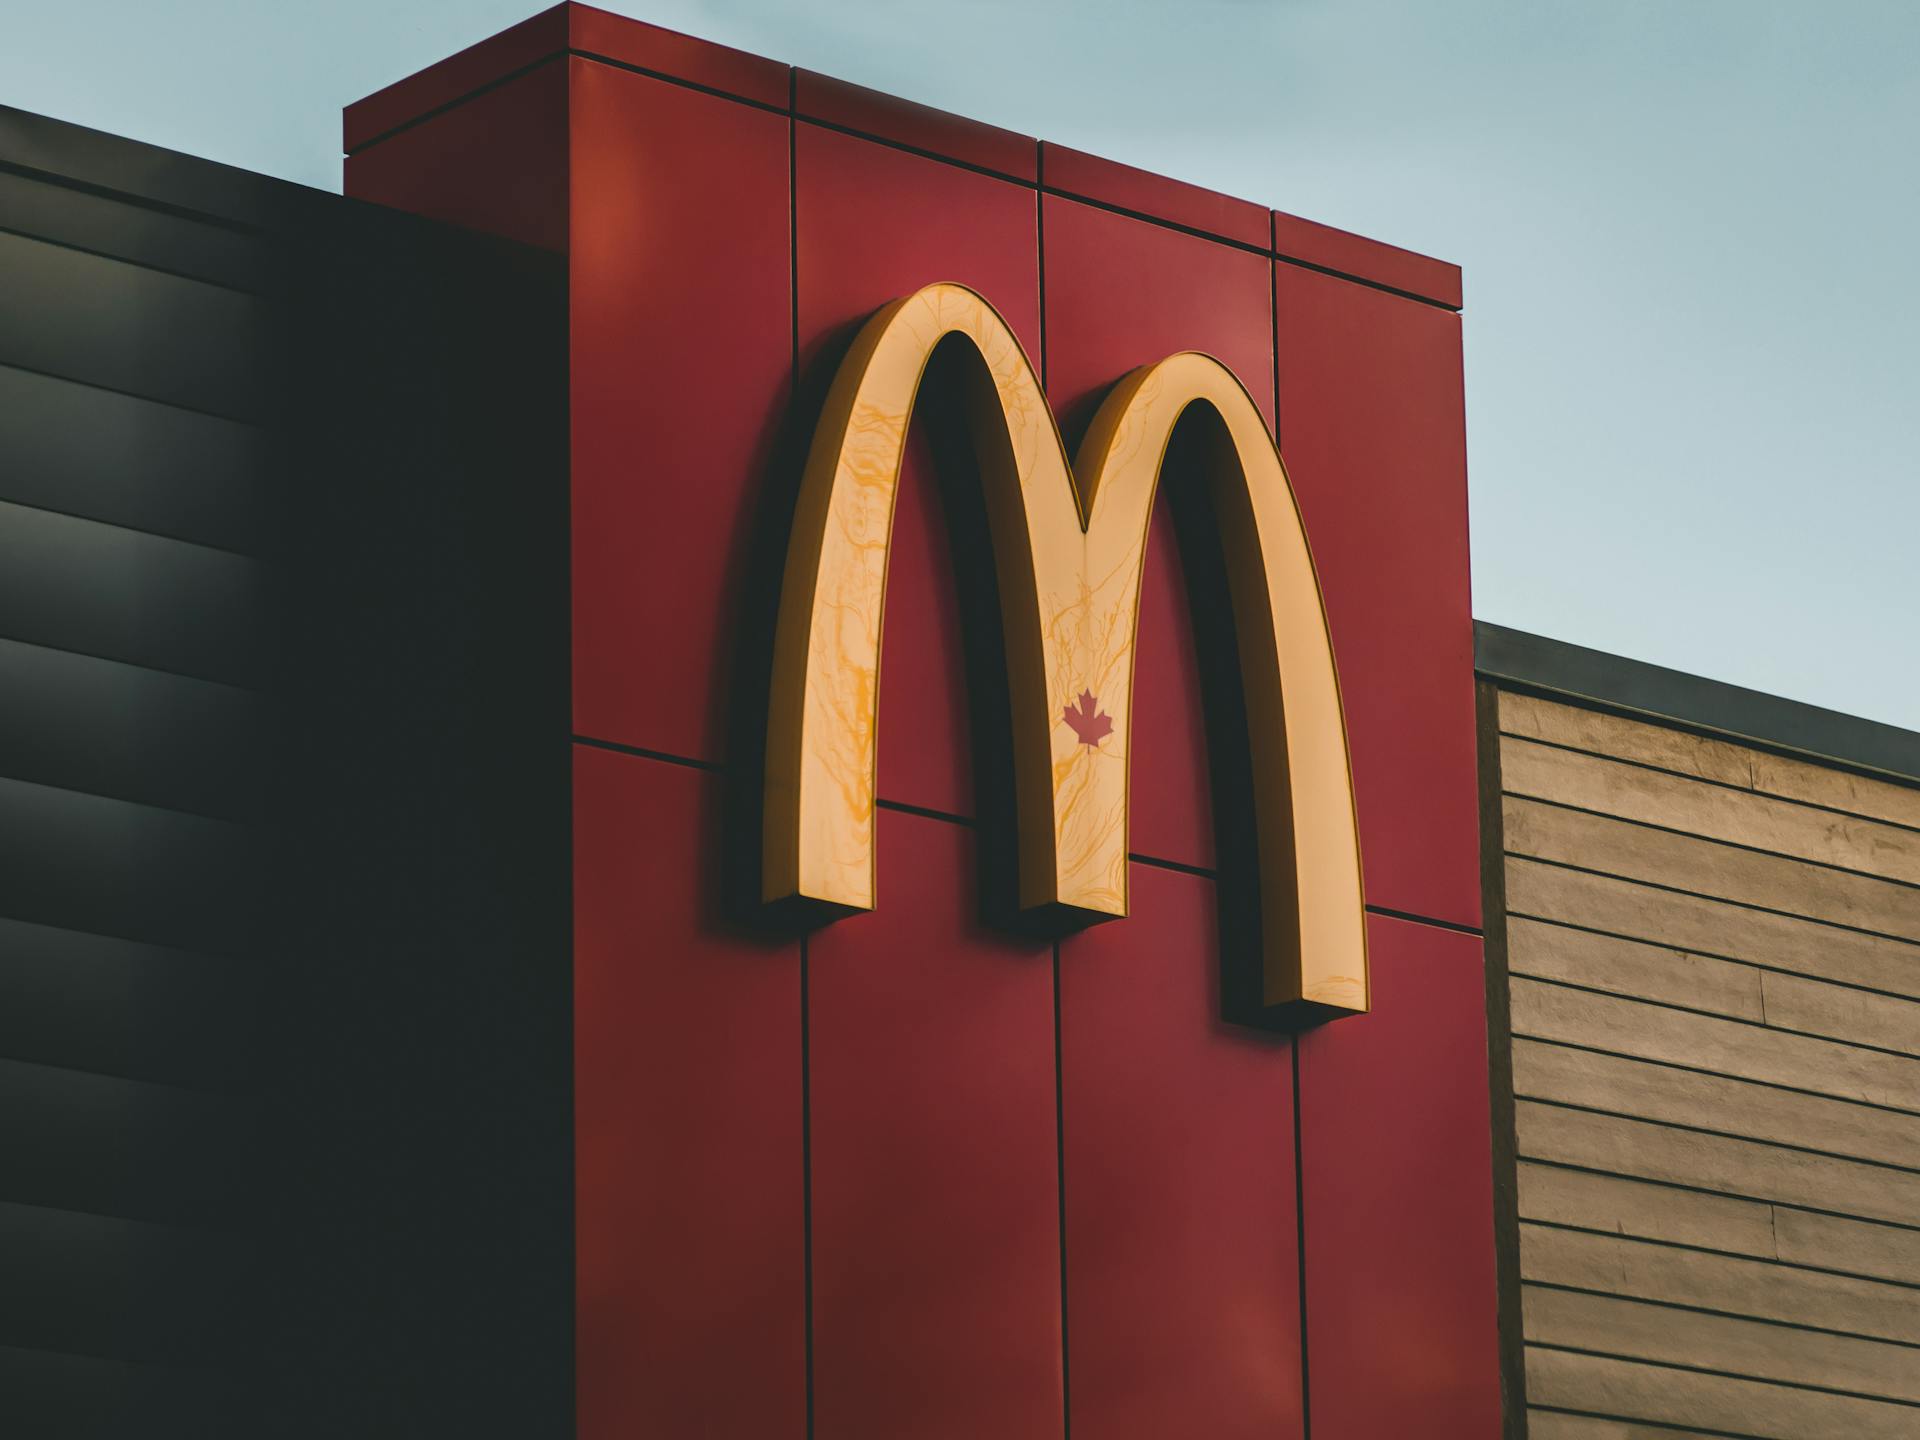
[282, 935]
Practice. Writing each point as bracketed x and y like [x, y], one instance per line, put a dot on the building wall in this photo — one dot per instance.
[909, 1173]
[1712, 984]
[134, 487]
[259, 642]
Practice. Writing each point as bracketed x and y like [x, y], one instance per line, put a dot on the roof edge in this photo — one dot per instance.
[79, 156]
[1597, 680]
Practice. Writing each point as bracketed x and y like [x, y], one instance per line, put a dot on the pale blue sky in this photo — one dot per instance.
[1689, 229]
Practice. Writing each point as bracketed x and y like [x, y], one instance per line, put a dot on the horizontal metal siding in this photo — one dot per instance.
[132, 489]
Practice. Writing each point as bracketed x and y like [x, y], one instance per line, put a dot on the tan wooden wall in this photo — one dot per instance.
[1714, 996]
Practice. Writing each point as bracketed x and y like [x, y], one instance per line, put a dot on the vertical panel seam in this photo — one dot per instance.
[1040, 253]
[1510, 1339]
[806, 1174]
[1300, 1221]
[1273, 327]
[1060, 1138]
[806, 1013]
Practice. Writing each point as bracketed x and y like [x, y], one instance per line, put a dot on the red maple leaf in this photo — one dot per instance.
[1091, 726]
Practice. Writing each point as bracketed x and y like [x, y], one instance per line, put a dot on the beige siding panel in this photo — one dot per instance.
[1639, 1209]
[1599, 734]
[1556, 1425]
[1726, 1166]
[1639, 1331]
[1727, 1283]
[1642, 1209]
[1631, 967]
[1705, 867]
[1713, 927]
[1653, 797]
[1714, 988]
[1750, 1052]
[1720, 760]
[1778, 775]
[1855, 1016]
[1710, 1102]
[1856, 1246]
[1710, 1402]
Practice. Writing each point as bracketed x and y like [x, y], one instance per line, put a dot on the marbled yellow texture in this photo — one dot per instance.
[1069, 557]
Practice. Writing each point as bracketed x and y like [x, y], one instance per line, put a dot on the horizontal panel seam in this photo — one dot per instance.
[143, 202]
[1681, 1305]
[925, 812]
[1446, 306]
[930, 813]
[1728, 785]
[1727, 730]
[171, 1367]
[252, 563]
[145, 937]
[14, 364]
[1267, 251]
[639, 752]
[1760, 1025]
[120, 257]
[223, 1217]
[838, 128]
[434, 112]
[240, 822]
[1717, 1195]
[1560, 922]
[259, 697]
[1675, 1426]
[1411, 918]
[1742, 1375]
[1716, 1074]
[147, 531]
[1717, 899]
[1147, 217]
[685, 84]
[1681, 1185]
[1711, 840]
[1772, 1262]
[241, 1101]
[1727, 1314]
[7, 633]
[1628, 1115]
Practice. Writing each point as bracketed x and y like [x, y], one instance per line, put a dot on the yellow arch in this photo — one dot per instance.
[1068, 555]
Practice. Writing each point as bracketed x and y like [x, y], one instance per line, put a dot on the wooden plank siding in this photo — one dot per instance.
[1713, 988]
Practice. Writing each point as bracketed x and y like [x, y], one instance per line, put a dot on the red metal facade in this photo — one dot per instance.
[987, 1186]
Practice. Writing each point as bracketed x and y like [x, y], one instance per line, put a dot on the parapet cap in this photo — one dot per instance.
[569, 29]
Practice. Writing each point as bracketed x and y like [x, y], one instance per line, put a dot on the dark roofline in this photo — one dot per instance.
[78, 156]
[1599, 681]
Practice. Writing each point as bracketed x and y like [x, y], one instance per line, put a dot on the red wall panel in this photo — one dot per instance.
[496, 163]
[687, 1120]
[583, 29]
[1107, 182]
[699, 62]
[1372, 425]
[682, 373]
[1183, 1306]
[1326, 248]
[918, 127]
[713, 242]
[934, 1160]
[872, 224]
[1123, 293]
[1397, 1199]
